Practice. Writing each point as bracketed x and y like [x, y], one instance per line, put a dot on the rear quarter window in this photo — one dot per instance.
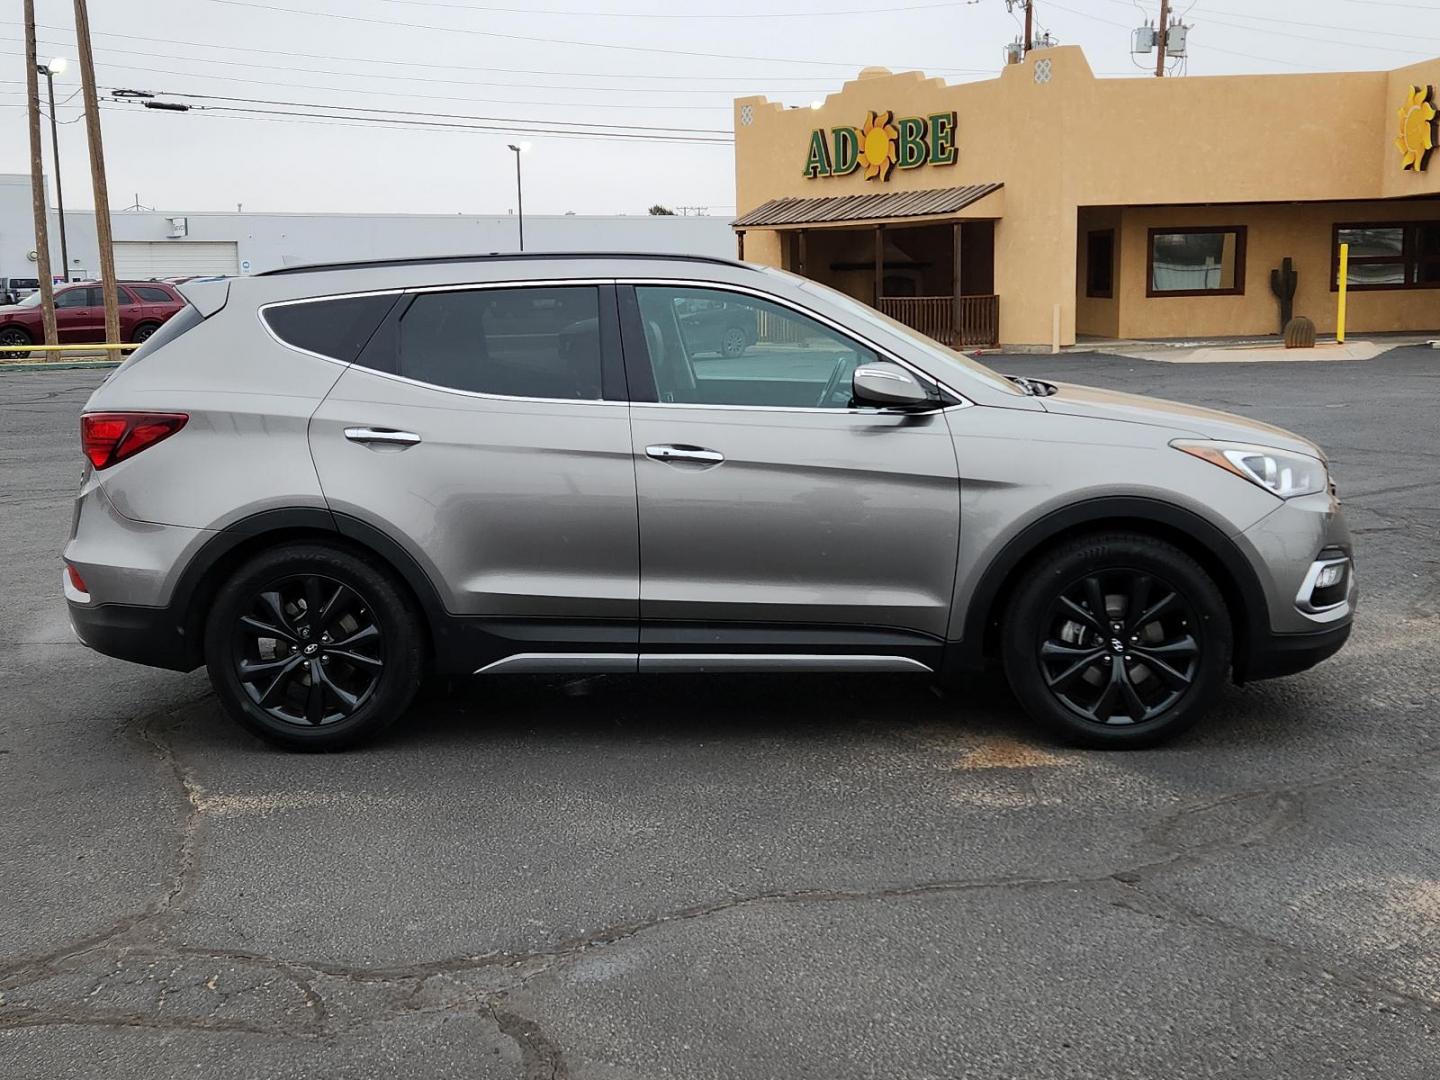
[337, 328]
[150, 294]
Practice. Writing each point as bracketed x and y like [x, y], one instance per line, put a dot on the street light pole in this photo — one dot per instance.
[50, 70]
[519, 149]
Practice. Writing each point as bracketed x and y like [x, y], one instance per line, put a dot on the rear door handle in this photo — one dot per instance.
[381, 435]
[682, 452]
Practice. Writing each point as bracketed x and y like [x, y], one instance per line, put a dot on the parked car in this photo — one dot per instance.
[323, 482]
[716, 326]
[145, 306]
[15, 289]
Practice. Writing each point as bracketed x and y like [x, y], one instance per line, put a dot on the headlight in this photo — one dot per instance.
[1280, 472]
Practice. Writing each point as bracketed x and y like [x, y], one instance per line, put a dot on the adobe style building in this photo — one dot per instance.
[1047, 203]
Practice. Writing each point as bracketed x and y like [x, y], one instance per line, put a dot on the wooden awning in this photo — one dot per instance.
[881, 206]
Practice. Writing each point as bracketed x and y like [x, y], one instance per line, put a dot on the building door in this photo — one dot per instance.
[772, 512]
[141, 260]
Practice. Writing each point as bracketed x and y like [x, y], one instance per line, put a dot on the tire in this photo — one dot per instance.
[143, 332]
[366, 634]
[733, 342]
[15, 336]
[1098, 686]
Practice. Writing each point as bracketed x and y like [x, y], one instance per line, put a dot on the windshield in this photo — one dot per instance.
[33, 300]
[865, 313]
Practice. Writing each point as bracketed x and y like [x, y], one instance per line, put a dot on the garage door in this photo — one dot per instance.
[141, 259]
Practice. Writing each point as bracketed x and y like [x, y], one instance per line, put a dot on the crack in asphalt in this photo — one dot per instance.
[187, 861]
[541, 1057]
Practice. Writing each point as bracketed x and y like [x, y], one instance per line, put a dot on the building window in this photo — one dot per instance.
[1100, 264]
[1197, 262]
[1397, 255]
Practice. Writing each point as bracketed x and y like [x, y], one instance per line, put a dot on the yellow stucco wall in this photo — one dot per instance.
[1074, 141]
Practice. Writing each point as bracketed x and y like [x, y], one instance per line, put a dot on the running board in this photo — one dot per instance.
[558, 663]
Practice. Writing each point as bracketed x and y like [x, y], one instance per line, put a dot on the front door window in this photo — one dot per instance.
[711, 347]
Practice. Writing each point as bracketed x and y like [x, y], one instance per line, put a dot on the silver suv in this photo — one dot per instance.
[324, 482]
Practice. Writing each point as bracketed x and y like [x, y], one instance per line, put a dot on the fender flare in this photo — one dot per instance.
[1219, 554]
[290, 519]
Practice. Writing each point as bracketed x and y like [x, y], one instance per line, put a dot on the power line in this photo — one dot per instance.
[521, 128]
[424, 79]
[379, 123]
[252, 4]
[445, 116]
[483, 9]
[391, 93]
[1210, 11]
[746, 79]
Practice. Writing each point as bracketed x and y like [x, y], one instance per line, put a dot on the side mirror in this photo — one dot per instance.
[888, 384]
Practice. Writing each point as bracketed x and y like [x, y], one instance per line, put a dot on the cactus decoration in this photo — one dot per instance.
[1300, 333]
[1282, 284]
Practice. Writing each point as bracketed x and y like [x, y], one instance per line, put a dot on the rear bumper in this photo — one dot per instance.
[1286, 654]
[143, 635]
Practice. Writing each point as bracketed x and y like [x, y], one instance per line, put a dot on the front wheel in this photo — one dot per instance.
[313, 648]
[1117, 641]
[733, 342]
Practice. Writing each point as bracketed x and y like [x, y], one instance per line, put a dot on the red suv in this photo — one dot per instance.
[80, 314]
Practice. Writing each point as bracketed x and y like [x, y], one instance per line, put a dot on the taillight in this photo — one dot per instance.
[108, 437]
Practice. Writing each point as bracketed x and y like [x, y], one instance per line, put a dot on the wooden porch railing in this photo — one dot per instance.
[960, 322]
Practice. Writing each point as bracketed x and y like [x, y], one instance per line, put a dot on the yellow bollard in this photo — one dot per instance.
[1343, 283]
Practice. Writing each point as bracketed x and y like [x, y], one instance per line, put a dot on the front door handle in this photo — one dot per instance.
[684, 452]
[381, 435]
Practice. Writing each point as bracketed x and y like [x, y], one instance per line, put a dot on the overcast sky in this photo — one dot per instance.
[645, 63]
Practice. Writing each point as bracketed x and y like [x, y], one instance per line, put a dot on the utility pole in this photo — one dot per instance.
[50, 70]
[97, 175]
[1161, 39]
[37, 180]
[42, 225]
[1029, 25]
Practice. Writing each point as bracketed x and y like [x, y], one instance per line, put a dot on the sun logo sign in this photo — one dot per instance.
[877, 145]
[1417, 128]
[881, 145]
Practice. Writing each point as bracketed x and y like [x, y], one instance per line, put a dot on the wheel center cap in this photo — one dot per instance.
[311, 649]
[1116, 645]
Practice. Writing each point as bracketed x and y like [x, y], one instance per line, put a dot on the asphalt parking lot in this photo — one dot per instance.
[800, 877]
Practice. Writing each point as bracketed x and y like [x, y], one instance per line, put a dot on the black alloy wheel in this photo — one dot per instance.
[308, 650]
[16, 338]
[1118, 647]
[1116, 641]
[143, 332]
[733, 342]
[314, 647]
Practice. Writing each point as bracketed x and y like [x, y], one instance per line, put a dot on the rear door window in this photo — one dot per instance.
[535, 342]
[337, 328]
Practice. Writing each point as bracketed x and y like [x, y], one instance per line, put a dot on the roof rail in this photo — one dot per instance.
[499, 256]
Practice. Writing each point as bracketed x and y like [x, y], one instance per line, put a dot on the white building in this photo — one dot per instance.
[172, 243]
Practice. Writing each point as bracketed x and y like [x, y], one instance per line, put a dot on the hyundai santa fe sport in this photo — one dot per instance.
[324, 482]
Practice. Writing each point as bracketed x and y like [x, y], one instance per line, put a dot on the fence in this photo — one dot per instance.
[960, 322]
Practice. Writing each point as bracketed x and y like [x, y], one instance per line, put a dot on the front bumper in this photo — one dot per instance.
[1286, 654]
[1288, 549]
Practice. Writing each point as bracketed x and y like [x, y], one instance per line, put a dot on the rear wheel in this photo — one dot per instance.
[14, 337]
[733, 342]
[143, 332]
[1117, 641]
[313, 648]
